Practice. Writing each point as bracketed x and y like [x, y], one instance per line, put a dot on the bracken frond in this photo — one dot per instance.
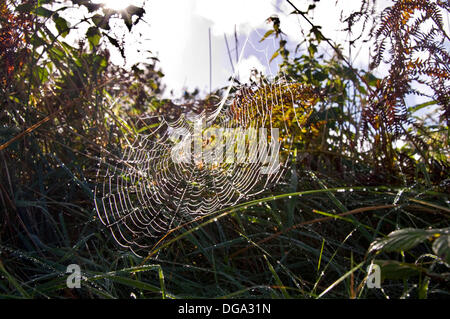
[417, 53]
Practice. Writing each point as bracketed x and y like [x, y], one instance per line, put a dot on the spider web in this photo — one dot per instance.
[150, 189]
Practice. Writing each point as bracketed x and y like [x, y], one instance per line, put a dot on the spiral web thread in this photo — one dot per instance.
[144, 194]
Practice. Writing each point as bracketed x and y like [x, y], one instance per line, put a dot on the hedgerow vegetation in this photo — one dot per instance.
[369, 183]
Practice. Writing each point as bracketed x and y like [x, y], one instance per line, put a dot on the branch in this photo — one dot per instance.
[335, 48]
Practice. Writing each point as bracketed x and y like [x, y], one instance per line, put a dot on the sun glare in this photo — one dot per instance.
[115, 4]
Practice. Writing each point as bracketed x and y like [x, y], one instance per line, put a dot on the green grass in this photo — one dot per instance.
[240, 252]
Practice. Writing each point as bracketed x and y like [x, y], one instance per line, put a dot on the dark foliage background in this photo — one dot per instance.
[353, 197]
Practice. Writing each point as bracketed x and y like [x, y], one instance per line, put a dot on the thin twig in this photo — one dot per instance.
[335, 48]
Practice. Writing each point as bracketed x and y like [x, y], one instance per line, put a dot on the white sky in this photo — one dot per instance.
[176, 31]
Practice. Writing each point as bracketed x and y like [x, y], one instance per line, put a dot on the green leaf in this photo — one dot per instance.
[93, 6]
[312, 49]
[311, 7]
[417, 107]
[101, 21]
[131, 11]
[317, 33]
[370, 79]
[277, 279]
[342, 278]
[62, 26]
[441, 247]
[362, 89]
[148, 127]
[93, 35]
[320, 76]
[87, 3]
[40, 74]
[37, 41]
[399, 240]
[101, 62]
[137, 284]
[128, 21]
[277, 52]
[57, 51]
[14, 99]
[161, 282]
[25, 7]
[115, 43]
[43, 12]
[13, 282]
[408, 238]
[392, 269]
[266, 35]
